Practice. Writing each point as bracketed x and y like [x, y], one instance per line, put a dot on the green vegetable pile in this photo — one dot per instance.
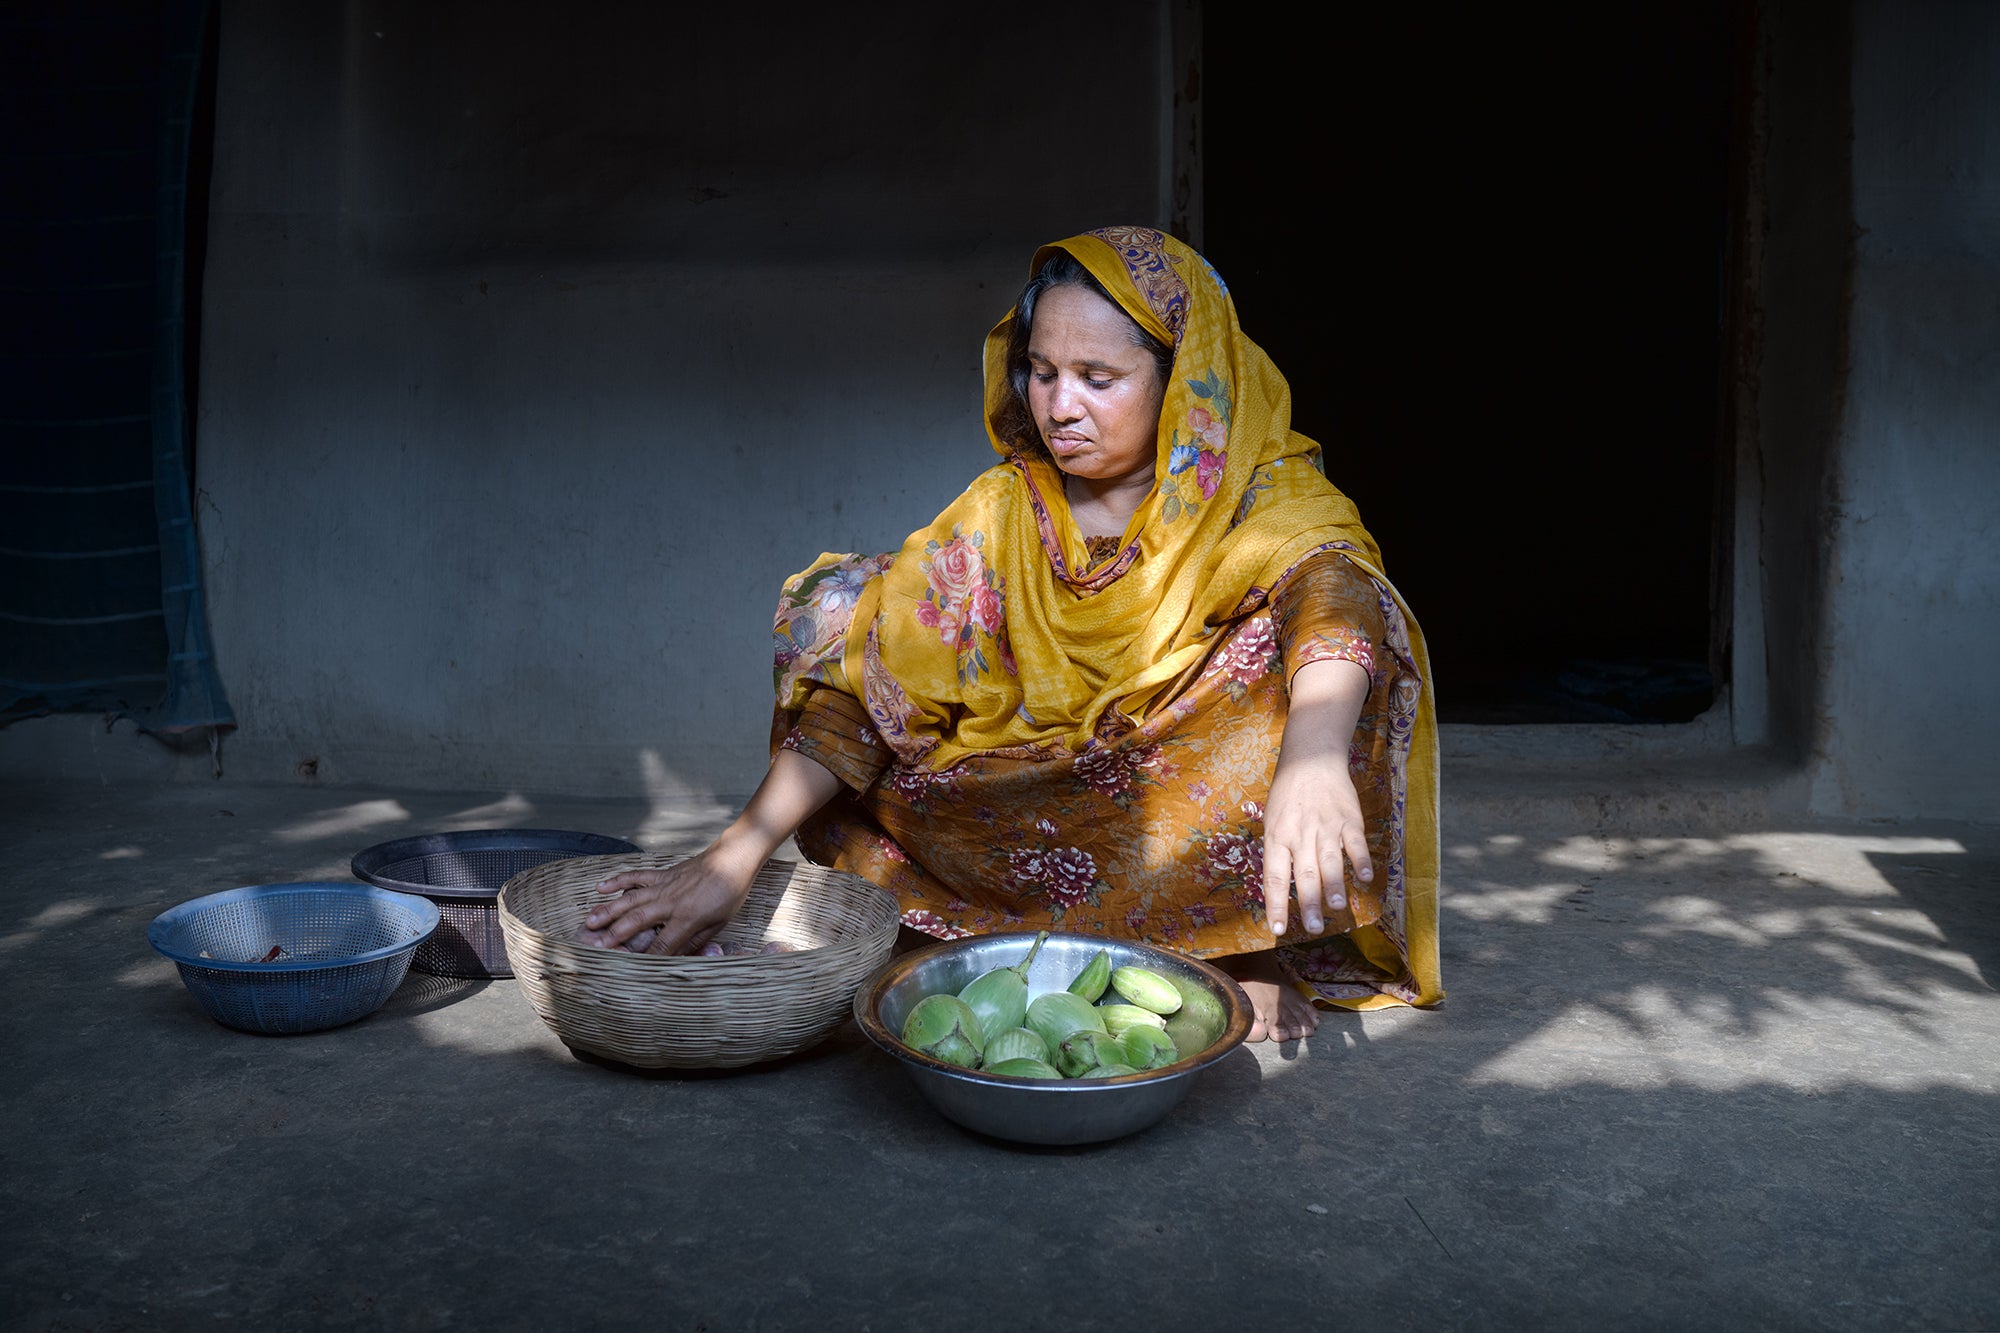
[1110, 1021]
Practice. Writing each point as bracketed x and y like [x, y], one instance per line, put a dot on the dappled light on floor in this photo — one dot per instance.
[361, 817]
[1342, 1034]
[55, 916]
[152, 971]
[1767, 959]
[511, 811]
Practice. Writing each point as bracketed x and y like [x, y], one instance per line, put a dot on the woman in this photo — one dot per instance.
[1145, 677]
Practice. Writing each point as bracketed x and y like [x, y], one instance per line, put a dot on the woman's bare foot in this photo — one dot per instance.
[1282, 1013]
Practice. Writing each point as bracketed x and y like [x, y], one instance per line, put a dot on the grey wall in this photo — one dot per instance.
[1910, 706]
[539, 348]
[544, 342]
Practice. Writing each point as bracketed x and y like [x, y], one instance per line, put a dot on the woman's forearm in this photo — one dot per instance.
[1313, 819]
[792, 790]
[1325, 707]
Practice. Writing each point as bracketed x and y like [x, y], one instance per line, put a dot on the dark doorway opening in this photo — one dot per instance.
[1488, 251]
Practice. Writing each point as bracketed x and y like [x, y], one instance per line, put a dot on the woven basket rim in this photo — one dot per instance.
[512, 918]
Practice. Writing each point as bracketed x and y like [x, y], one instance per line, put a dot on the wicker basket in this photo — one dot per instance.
[697, 1013]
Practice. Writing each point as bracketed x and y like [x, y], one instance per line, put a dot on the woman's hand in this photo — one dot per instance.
[682, 905]
[1312, 821]
[688, 902]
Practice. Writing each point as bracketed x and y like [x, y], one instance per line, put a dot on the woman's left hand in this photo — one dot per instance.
[1313, 828]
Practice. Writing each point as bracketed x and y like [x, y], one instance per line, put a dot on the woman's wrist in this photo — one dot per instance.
[741, 849]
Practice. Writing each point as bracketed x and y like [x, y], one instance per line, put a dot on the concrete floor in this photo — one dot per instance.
[1701, 1065]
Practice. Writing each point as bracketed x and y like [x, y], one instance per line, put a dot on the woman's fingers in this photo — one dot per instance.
[1277, 884]
[1311, 867]
[1296, 866]
[692, 944]
[684, 934]
[668, 911]
[1306, 878]
[645, 901]
[626, 879]
[1355, 839]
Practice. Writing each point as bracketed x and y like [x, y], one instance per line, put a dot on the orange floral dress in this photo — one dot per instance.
[1151, 831]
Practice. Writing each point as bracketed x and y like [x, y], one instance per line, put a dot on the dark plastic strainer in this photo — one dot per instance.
[463, 874]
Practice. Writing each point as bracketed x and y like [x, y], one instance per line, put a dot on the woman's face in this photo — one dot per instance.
[1095, 394]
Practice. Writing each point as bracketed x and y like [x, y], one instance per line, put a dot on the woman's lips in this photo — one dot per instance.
[1066, 444]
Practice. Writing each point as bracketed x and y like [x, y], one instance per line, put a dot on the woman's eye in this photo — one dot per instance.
[1044, 376]
[1097, 384]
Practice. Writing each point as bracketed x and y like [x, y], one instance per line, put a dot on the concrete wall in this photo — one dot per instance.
[1909, 712]
[543, 342]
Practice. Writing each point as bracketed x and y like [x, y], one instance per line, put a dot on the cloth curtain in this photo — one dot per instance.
[101, 606]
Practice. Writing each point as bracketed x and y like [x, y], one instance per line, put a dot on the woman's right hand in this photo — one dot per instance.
[683, 904]
[686, 903]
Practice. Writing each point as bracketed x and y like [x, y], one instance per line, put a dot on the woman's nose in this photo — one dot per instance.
[1062, 400]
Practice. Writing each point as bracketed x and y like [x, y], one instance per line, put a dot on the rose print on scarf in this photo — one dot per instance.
[963, 599]
[1195, 463]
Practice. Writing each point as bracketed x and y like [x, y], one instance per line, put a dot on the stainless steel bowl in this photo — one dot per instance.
[1034, 1110]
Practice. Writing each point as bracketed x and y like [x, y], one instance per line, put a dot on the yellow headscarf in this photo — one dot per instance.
[985, 634]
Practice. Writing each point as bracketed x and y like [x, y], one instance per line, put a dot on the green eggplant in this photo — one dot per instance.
[1084, 1050]
[1096, 975]
[1200, 1003]
[1146, 988]
[1109, 1071]
[1021, 1067]
[1189, 1035]
[1148, 1047]
[1119, 1017]
[1016, 1044]
[1056, 1014]
[1000, 996]
[945, 1028]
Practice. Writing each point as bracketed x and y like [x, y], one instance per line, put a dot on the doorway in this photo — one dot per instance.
[1488, 252]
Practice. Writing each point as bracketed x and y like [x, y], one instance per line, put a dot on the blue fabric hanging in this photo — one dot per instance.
[101, 606]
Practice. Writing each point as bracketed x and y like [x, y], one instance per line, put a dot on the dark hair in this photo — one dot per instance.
[1013, 420]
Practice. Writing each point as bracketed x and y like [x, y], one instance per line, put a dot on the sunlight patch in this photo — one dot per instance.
[1487, 901]
[1782, 854]
[356, 818]
[442, 1028]
[513, 808]
[62, 914]
[148, 972]
[1657, 1038]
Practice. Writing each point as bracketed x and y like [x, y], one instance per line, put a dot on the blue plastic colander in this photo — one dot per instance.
[340, 952]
